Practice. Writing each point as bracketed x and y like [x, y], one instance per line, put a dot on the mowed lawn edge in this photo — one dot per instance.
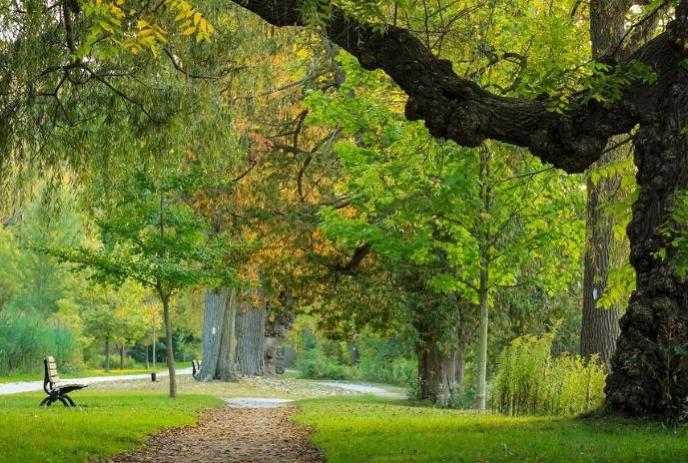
[373, 430]
[103, 425]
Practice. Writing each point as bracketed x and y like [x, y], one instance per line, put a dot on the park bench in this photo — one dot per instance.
[195, 367]
[55, 390]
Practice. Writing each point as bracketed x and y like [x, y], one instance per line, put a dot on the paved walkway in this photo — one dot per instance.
[30, 386]
[363, 389]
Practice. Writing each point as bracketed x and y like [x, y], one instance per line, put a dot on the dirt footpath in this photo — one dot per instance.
[230, 435]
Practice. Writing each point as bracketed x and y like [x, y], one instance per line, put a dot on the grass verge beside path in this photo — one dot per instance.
[104, 424]
[372, 430]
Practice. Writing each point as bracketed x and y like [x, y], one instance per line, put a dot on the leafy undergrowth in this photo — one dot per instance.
[366, 429]
[103, 425]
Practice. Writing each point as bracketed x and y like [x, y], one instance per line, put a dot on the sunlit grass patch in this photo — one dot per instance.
[104, 424]
[366, 429]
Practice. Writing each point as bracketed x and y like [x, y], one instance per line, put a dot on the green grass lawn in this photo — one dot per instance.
[90, 372]
[371, 430]
[104, 424]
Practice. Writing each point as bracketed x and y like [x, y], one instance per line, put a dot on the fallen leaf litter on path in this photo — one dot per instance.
[230, 435]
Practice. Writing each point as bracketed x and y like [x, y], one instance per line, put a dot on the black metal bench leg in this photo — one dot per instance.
[64, 402]
[45, 401]
[69, 399]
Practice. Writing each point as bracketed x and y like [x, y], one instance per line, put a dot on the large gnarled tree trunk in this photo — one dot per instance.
[650, 370]
[276, 329]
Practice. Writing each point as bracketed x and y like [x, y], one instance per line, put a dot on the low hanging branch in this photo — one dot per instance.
[458, 109]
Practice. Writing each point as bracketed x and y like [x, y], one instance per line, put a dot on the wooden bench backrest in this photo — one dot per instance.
[51, 371]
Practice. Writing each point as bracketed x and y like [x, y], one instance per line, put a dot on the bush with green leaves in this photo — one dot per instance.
[314, 363]
[386, 360]
[531, 381]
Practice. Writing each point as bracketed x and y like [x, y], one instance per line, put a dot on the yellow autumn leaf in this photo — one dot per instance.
[189, 30]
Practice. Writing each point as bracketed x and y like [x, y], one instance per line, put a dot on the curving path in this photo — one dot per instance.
[31, 386]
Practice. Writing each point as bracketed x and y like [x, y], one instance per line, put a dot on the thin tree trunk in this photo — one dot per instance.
[170, 352]
[481, 397]
[107, 353]
[121, 357]
[250, 335]
[483, 288]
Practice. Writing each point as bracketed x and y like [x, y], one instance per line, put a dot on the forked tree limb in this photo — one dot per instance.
[458, 109]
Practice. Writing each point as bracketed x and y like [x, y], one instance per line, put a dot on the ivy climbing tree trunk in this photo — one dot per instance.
[219, 342]
[250, 334]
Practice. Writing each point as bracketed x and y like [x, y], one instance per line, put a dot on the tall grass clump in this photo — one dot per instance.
[27, 338]
[531, 381]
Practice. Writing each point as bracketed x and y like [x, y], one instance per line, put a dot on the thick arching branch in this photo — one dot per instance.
[458, 109]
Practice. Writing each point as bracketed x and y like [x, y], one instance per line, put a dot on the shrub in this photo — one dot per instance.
[313, 363]
[529, 380]
[386, 360]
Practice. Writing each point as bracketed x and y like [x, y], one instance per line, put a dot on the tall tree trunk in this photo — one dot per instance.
[600, 327]
[121, 357]
[218, 335]
[481, 397]
[484, 283]
[170, 352]
[650, 368]
[250, 334]
[226, 363]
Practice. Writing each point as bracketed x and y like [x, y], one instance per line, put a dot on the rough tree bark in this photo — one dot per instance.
[219, 341]
[599, 326]
[442, 355]
[649, 373]
[438, 373]
[250, 334]
[276, 329]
